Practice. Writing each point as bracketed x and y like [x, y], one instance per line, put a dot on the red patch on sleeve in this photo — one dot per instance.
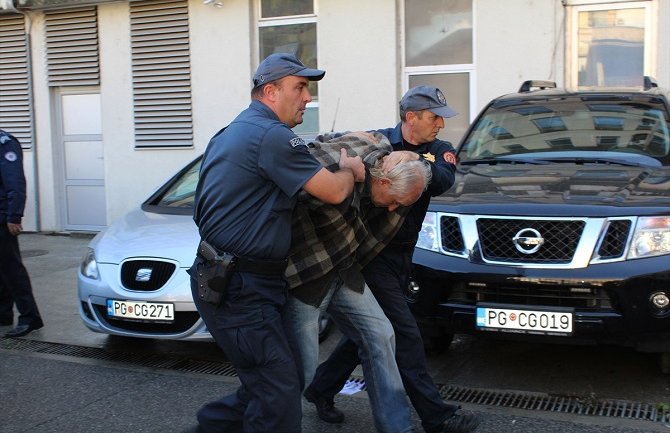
[449, 157]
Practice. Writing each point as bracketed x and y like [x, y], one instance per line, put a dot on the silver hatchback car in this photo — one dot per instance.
[132, 281]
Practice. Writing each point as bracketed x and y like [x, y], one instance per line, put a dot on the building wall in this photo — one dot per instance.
[516, 40]
[359, 46]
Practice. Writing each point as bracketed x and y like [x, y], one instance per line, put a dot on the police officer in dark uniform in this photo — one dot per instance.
[250, 177]
[422, 112]
[15, 287]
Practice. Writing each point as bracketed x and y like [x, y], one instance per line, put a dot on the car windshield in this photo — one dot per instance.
[577, 126]
[179, 192]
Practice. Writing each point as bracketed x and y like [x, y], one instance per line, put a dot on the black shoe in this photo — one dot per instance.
[460, 423]
[6, 321]
[325, 409]
[22, 330]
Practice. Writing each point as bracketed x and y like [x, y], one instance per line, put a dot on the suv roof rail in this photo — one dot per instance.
[542, 84]
[649, 82]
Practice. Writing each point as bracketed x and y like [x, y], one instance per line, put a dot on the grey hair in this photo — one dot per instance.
[403, 176]
[403, 114]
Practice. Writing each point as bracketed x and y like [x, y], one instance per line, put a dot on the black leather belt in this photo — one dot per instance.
[243, 264]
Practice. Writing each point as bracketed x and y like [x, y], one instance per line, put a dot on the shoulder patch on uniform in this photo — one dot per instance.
[11, 156]
[449, 157]
[4, 138]
[297, 141]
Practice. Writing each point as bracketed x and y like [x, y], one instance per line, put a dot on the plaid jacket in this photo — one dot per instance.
[328, 237]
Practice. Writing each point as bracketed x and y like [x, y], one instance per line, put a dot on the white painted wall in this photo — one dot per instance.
[220, 84]
[44, 148]
[516, 40]
[359, 46]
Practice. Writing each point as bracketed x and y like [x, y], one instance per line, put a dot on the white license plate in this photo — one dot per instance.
[524, 321]
[140, 310]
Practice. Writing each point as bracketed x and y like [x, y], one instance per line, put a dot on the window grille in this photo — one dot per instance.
[161, 73]
[72, 47]
[15, 103]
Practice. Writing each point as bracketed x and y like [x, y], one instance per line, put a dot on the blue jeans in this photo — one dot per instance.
[360, 318]
[387, 275]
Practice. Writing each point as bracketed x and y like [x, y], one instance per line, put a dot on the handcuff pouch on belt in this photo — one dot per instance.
[213, 274]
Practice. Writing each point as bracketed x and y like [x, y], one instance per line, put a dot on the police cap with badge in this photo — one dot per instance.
[426, 98]
[280, 65]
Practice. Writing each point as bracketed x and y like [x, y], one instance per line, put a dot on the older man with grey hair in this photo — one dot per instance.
[330, 245]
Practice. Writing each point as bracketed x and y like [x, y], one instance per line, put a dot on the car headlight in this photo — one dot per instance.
[651, 237]
[89, 267]
[428, 235]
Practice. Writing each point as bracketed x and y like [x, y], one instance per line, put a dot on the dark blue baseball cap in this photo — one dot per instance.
[280, 65]
[426, 98]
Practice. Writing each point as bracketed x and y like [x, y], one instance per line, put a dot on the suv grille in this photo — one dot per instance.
[452, 239]
[547, 295]
[146, 275]
[614, 242]
[560, 240]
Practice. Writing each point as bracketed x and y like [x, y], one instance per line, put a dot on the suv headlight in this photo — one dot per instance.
[89, 267]
[428, 235]
[651, 237]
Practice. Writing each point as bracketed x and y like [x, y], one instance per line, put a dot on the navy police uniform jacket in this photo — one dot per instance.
[250, 177]
[12, 180]
[442, 157]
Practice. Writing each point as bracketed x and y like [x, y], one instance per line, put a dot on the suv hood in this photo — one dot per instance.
[148, 235]
[606, 189]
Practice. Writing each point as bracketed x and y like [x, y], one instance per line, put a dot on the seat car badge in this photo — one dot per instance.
[143, 275]
[528, 241]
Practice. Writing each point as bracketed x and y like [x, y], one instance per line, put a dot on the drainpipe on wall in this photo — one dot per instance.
[36, 172]
[10, 6]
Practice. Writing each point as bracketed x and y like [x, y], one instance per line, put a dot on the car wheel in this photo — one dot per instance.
[325, 325]
[664, 362]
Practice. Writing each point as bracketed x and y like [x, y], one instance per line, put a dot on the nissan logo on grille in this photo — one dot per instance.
[528, 241]
[143, 275]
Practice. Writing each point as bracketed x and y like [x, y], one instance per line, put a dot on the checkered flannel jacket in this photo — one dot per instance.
[325, 235]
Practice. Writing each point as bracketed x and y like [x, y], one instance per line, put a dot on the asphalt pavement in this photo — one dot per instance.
[59, 391]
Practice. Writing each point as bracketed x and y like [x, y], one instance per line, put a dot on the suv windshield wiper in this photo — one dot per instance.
[595, 161]
[495, 161]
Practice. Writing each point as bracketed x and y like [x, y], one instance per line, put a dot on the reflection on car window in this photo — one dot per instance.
[182, 192]
[632, 124]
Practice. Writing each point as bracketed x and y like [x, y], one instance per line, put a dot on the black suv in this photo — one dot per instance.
[557, 228]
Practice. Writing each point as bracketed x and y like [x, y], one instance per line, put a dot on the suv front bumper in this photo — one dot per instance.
[611, 302]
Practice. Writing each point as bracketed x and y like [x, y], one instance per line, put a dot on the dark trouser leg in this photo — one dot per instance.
[16, 280]
[6, 304]
[249, 328]
[387, 275]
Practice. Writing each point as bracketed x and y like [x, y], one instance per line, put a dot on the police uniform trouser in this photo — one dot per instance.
[15, 284]
[248, 327]
[386, 276]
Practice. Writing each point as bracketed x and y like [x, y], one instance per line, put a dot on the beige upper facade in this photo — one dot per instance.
[87, 160]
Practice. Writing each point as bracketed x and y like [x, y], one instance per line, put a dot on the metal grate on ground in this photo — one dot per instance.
[509, 399]
[170, 362]
[563, 404]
